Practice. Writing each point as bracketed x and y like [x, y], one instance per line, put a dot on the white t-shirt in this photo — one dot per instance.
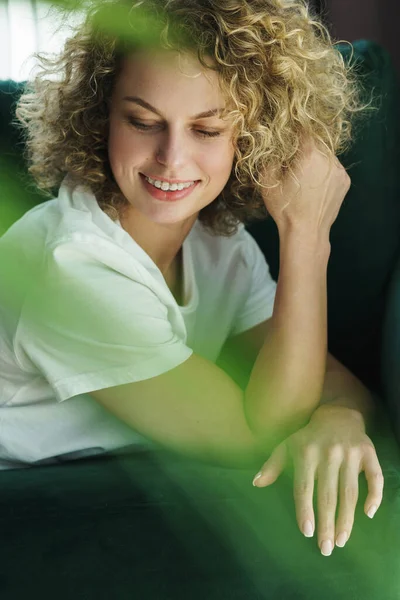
[83, 307]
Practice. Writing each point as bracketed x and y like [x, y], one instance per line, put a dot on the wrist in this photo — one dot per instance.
[335, 411]
[305, 240]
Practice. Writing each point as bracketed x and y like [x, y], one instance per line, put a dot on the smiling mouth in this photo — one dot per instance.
[169, 185]
[170, 181]
[162, 191]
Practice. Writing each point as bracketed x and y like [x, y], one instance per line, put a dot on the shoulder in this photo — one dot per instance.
[69, 238]
[62, 217]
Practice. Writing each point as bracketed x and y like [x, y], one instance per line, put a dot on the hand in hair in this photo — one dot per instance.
[311, 204]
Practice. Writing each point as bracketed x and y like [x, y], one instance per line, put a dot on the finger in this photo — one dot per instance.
[348, 490]
[303, 488]
[328, 478]
[375, 480]
[274, 466]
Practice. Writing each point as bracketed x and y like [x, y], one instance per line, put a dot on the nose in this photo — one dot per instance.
[172, 151]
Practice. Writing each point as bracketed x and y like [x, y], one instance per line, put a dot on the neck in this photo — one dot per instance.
[163, 243]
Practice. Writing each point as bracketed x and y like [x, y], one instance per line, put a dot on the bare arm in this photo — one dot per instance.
[287, 379]
[342, 389]
[196, 408]
[295, 351]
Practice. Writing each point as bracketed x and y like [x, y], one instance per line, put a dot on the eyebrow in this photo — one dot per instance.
[215, 112]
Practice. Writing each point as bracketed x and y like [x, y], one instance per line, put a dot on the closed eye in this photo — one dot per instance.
[143, 127]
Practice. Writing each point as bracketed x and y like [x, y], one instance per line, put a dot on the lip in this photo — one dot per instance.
[167, 196]
[169, 180]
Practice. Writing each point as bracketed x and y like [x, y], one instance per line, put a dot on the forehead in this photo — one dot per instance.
[164, 78]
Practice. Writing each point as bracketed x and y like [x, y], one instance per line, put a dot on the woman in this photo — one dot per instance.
[124, 291]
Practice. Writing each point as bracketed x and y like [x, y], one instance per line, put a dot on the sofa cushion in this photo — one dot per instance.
[18, 192]
[391, 352]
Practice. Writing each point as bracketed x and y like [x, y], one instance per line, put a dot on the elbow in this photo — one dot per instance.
[276, 427]
[289, 411]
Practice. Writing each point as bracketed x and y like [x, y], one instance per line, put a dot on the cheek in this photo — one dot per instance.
[116, 144]
[219, 163]
[123, 146]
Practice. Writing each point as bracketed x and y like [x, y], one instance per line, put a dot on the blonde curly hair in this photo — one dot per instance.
[278, 68]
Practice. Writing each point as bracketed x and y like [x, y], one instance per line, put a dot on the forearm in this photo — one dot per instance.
[286, 382]
[343, 389]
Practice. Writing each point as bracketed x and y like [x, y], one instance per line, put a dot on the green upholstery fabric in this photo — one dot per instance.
[391, 352]
[18, 193]
[151, 526]
[365, 238]
[154, 527]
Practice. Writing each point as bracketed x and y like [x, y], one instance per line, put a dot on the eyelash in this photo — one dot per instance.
[143, 127]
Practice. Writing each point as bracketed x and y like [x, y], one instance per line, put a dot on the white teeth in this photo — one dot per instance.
[169, 187]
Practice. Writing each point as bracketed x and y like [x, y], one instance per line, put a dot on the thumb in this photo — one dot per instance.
[274, 466]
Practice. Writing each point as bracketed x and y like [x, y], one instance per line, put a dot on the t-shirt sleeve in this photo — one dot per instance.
[89, 323]
[258, 303]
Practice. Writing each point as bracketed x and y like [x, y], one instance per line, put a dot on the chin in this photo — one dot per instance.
[172, 220]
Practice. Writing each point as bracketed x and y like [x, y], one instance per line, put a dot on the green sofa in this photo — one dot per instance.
[153, 525]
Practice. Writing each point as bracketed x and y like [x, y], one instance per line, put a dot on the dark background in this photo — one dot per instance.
[363, 19]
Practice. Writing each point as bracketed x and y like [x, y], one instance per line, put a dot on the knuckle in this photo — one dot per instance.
[377, 478]
[301, 489]
[353, 454]
[346, 515]
[367, 447]
[328, 499]
[326, 532]
[348, 521]
[308, 452]
[350, 494]
[334, 453]
[344, 177]
[346, 524]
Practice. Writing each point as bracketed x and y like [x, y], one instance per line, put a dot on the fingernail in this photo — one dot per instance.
[308, 529]
[372, 511]
[326, 547]
[341, 539]
[256, 477]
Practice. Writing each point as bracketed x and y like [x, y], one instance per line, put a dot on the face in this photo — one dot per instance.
[165, 133]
